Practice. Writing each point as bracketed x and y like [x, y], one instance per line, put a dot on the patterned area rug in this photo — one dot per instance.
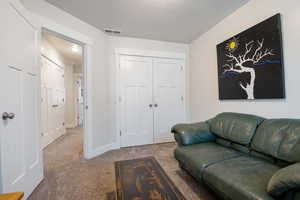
[142, 179]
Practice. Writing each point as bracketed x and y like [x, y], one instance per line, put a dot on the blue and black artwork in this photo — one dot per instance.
[250, 64]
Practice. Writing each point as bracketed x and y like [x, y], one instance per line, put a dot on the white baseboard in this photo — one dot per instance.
[115, 146]
[164, 139]
[103, 149]
[51, 137]
[99, 151]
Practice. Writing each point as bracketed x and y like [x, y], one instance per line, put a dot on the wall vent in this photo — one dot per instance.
[110, 31]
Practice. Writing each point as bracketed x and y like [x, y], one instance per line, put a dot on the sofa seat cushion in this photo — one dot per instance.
[239, 128]
[243, 177]
[195, 158]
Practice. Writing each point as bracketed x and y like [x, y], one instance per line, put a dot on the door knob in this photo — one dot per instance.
[6, 116]
[156, 105]
[150, 105]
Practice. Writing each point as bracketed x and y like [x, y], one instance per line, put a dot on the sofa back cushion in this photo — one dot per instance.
[279, 138]
[239, 128]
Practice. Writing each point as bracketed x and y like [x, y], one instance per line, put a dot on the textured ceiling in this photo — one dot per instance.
[166, 20]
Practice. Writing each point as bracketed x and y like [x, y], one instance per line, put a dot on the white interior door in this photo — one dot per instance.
[21, 154]
[168, 93]
[136, 101]
[53, 101]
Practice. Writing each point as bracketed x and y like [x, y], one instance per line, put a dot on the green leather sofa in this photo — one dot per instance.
[242, 157]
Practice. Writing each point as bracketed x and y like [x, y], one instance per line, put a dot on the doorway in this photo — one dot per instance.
[62, 87]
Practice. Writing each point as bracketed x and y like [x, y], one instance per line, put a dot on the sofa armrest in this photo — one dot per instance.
[188, 134]
[284, 180]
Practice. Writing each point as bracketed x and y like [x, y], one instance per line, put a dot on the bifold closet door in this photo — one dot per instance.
[136, 100]
[168, 93]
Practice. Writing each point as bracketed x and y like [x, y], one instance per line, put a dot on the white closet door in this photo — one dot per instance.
[21, 154]
[136, 101]
[168, 76]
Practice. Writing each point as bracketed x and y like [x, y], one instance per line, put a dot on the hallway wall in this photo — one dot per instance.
[70, 118]
[48, 50]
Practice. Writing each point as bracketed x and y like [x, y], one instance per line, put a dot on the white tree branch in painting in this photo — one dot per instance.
[237, 64]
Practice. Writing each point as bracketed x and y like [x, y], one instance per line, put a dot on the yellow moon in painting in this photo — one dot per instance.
[232, 45]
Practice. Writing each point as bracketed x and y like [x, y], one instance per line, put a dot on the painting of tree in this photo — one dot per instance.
[250, 64]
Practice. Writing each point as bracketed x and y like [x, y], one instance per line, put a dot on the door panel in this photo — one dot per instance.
[30, 120]
[21, 156]
[168, 97]
[136, 94]
[12, 132]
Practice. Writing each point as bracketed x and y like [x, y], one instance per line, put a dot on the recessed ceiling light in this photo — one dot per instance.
[75, 48]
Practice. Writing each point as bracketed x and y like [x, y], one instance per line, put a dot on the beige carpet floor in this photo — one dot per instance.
[68, 176]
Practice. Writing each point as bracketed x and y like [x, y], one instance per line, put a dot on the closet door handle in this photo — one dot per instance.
[155, 105]
[150, 105]
[6, 116]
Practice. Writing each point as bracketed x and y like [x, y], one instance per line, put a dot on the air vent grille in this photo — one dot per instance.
[110, 31]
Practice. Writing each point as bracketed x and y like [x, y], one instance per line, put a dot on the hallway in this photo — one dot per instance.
[68, 176]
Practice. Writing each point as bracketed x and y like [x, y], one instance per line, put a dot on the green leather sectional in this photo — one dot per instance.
[242, 157]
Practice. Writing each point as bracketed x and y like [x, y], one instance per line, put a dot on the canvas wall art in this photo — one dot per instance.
[250, 64]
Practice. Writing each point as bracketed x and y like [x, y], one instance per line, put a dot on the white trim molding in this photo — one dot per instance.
[88, 102]
[145, 53]
[100, 150]
[28, 16]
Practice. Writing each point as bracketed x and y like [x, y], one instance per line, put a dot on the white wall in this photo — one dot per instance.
[46, 13]
[203, 70]
[70, 118]
[138, 44]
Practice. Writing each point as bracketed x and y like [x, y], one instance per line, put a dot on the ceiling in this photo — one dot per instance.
[64, 47]
[166, 20]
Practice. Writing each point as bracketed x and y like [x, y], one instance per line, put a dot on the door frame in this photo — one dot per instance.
[76, 76]
[41, 23]
[86, 54]
[142, 53]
